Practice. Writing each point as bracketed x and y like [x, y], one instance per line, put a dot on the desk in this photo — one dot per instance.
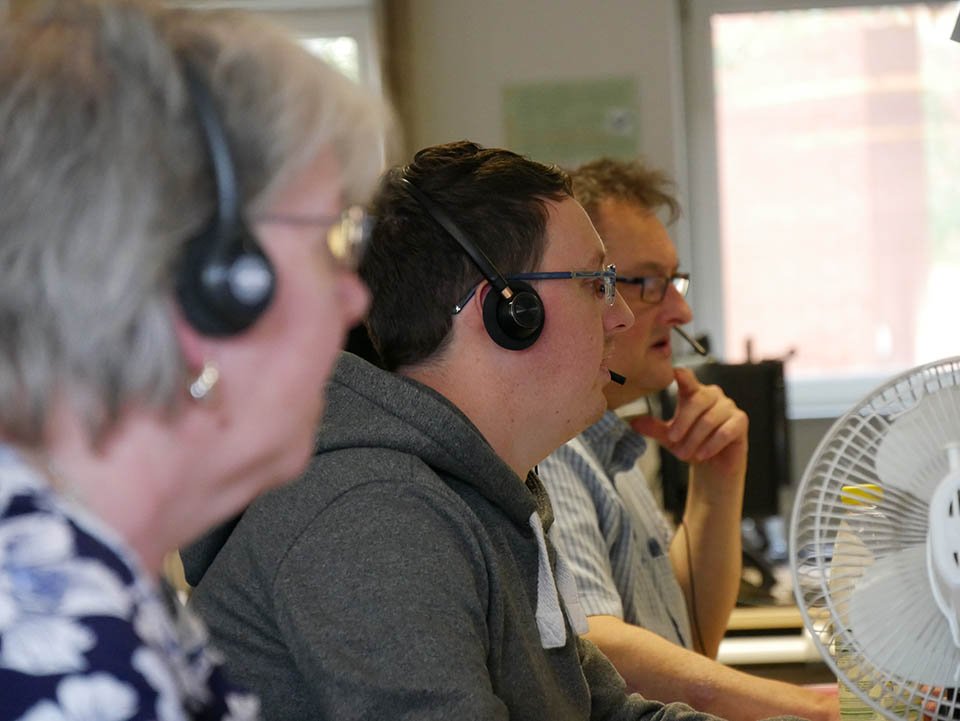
[757, 618]
[771, 641]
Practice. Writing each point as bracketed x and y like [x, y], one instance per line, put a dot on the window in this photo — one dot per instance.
[342, 52]
[829, 141]
[342, 32]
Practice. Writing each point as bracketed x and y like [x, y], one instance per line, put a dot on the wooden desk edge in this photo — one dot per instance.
[758, 618]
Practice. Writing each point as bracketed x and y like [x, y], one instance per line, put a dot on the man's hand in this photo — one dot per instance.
[707, 428]
[709, 432]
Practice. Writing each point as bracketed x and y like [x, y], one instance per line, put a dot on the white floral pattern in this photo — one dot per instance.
[85, 634]
[43, 586]
[98, 697]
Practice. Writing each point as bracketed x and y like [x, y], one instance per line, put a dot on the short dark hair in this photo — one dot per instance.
[628, 180]
[417, 272]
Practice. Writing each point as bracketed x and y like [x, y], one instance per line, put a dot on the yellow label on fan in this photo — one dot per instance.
[861, 494]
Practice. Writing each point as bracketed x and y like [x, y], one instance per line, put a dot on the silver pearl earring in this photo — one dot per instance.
[205, 382]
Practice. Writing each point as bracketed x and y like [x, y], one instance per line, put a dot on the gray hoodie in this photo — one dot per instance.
[405, 575]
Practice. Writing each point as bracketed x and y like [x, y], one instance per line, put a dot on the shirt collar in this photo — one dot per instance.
[616, 445]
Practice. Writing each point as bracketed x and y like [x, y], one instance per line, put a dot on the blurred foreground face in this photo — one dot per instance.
[317, 301]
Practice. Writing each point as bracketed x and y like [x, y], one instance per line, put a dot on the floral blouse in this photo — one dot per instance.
[85, 633]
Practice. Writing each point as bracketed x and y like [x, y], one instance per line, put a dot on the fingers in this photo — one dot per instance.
[712, 434]
[687, 382]
[651, 428]
[705, 423]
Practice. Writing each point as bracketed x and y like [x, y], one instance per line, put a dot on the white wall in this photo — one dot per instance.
[459, 55]
[451, 60]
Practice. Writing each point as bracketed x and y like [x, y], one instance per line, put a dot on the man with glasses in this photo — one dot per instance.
[408, 574]
[657, 603]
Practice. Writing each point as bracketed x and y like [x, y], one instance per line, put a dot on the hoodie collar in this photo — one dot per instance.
[368, 406]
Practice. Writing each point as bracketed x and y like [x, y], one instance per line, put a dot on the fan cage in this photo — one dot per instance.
[832, 542]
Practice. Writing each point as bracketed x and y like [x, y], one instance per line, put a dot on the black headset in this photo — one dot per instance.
[514, 314]
[224, 281]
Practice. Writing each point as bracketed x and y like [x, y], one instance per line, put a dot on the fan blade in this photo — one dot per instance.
[896, 621]
[911, 455]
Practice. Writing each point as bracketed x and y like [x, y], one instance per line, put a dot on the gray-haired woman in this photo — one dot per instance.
[176, 280]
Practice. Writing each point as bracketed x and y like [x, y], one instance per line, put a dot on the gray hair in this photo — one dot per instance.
[630, 181]
[104, 175]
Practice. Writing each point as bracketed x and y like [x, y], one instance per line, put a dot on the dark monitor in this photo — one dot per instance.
[758, 389]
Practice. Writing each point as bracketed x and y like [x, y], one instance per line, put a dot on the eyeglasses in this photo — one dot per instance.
[606, 282]
[653, 288]
[347, 234]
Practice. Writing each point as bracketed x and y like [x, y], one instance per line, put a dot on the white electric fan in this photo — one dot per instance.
[875, 546]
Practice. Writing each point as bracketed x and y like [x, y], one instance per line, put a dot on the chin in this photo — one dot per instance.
[292, 461]
[599, 410]
[660, 378]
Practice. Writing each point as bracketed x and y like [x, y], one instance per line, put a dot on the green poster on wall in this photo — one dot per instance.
[571, 122]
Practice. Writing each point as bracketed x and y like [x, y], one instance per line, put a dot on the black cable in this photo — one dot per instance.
[693, 590]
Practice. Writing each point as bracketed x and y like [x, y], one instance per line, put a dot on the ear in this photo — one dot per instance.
[471, 317]
[196, 347]
[201, 354]
[480, 297]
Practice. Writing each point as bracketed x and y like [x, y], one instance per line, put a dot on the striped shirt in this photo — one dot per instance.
[611, 531]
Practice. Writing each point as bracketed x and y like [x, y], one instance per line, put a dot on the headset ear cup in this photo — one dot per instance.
[224, 280]
[514, 324]
[223, 293]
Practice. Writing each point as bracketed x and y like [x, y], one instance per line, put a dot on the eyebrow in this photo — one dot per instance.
[645, 268]
[599, 260]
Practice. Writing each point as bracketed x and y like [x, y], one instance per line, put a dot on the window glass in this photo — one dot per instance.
[341, 52]
[838, 166]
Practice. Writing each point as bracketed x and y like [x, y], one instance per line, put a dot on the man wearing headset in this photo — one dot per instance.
[409, 572]
[657, 603]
